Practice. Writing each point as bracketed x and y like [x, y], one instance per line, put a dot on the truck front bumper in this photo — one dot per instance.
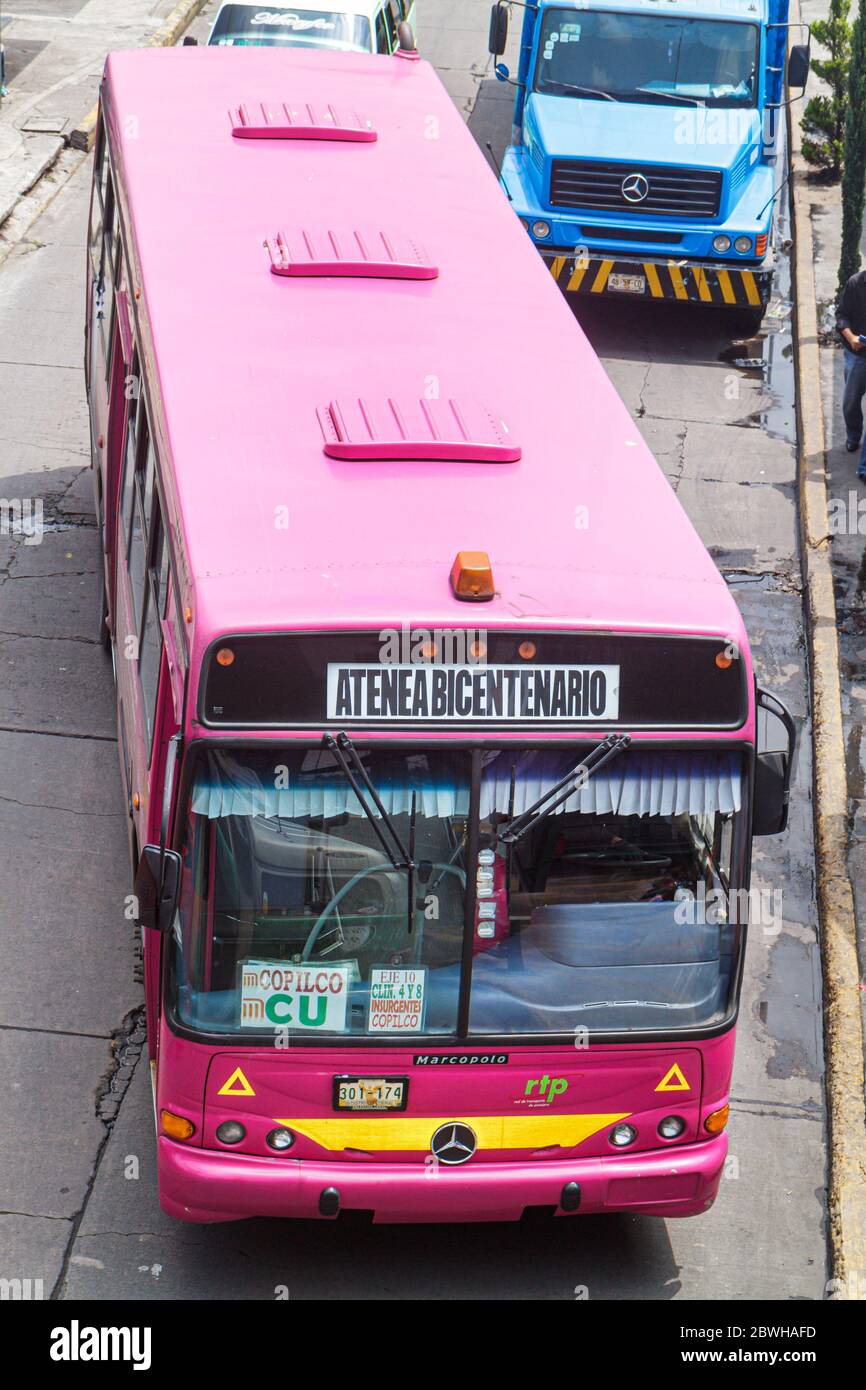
[730, 286]
[201, 1185]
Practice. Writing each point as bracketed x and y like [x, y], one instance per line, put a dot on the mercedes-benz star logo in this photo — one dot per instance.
[454, 1143]
[635, 188]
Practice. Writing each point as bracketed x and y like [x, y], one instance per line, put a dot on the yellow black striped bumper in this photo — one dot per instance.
[726, 285]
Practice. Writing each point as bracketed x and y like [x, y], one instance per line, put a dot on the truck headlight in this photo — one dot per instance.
[541, 230]
[721, 244]
[743, 244]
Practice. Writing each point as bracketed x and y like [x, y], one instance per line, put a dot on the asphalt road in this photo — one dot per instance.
[76, 1147]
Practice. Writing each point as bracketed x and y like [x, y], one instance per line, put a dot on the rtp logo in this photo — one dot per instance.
[549, 1087]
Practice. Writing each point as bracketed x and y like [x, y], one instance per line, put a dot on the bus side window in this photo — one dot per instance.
[138, 534]
[150, 651]
[382, 45]
[129, 456]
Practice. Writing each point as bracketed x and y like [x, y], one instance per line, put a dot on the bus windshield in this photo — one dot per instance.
[603, 56]
[311, 906]
[240, 25]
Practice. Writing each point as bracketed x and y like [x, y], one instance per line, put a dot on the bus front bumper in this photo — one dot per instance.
[627, 277]
[200, 1185]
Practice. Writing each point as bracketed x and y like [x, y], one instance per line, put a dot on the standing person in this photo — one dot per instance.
[851, 323]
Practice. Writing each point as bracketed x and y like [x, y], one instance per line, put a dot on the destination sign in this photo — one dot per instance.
[472, 693]
[501, 678]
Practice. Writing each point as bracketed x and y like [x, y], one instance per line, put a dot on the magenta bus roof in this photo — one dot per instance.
[245, 358]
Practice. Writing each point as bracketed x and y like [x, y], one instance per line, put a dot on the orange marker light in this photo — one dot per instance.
[723, 661]
[478, 649]
[527, 650]
[427, 651]
[472, 576]
[136, 800]
[175, 1126]
[187, 613]
[715, 1123]
[225, 656]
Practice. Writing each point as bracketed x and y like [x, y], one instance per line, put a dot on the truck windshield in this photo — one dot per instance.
[647, 58]
[244, 25]
[612, 913]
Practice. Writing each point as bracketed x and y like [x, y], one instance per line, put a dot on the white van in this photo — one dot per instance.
[361, 26]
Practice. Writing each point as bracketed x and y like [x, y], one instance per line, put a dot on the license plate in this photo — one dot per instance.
[371, 1092]
[628, 284]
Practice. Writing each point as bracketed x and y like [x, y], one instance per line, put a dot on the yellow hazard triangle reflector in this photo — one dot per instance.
[237, 1085]
[673, 1080]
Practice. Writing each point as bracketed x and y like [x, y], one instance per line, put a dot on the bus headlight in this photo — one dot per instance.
[541, 230]
[671, 1127]
[721, 244]
[230, 1132]
[280, 1139]
[622, 1135]
[743, 244]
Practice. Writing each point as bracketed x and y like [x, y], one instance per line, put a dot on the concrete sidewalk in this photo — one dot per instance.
[847, 513]
[833, 521]
[55, 51]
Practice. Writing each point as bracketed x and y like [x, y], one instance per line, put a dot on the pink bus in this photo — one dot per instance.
[439, 731]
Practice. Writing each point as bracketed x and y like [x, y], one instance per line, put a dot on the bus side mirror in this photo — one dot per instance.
[498, 36]
[798, 65]
[157, 885]
[774, 765]
[406, 38]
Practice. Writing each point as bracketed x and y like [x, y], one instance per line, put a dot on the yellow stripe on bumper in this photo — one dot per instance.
[653, 280]
[703, 287]
[410, 1133]
[600, 280]
[726, 287]
[751, 288]
[677, 281]
[580, 269]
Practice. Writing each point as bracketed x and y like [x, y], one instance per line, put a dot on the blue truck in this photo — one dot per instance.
[643, 160]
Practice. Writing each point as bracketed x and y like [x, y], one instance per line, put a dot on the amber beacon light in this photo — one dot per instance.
[472, 576]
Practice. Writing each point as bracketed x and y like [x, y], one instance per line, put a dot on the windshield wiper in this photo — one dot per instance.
[587, 91]
[520, 825]
[353, 768]
[671, 96]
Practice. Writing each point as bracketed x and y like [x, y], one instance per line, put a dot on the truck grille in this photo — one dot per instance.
[680, 192]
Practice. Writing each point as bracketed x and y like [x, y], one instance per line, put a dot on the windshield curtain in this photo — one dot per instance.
[306, 912]
[647, 58]
[253, 25]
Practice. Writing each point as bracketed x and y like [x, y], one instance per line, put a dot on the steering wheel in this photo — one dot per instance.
[347, 887]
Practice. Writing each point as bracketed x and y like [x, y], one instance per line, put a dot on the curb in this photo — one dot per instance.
[843, 1027]
[82, 137]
